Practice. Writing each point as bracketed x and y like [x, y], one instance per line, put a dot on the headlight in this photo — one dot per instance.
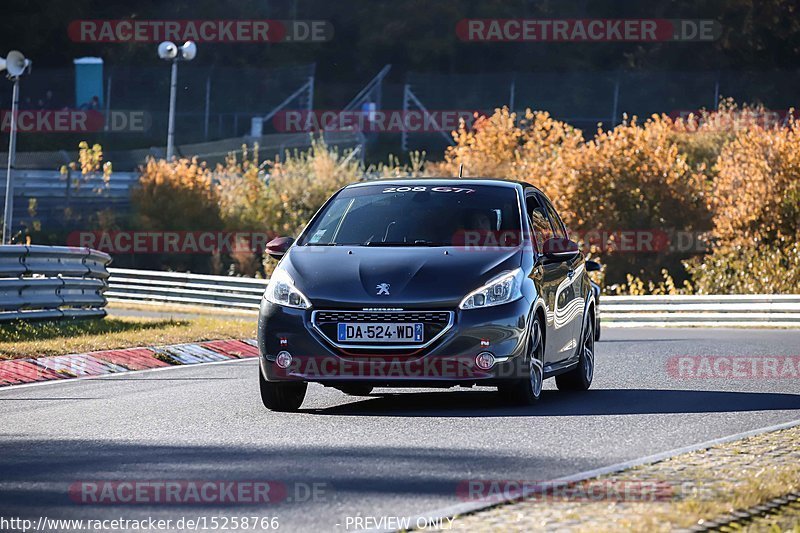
[500, 290]
[281, 291]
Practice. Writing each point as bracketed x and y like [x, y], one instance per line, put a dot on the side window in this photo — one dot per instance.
[558, 225]
[540, 226]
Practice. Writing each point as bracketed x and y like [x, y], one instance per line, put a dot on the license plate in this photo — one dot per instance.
[380, 332]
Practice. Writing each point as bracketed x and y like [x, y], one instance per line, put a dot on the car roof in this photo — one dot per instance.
[445, 181]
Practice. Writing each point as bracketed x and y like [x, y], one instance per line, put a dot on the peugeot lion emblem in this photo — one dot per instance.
[382, 288]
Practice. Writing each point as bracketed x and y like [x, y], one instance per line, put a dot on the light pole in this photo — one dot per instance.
[16, 64]
[169, 51]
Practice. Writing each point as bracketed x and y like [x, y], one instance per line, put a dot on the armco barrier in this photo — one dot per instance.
[691, 310]
[181, 288]
[51, 282]
[778, 310]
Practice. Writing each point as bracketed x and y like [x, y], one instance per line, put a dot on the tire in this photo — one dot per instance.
[580, 378]
[281, 396]
[528, 390]
[356, 390]
[597, 328]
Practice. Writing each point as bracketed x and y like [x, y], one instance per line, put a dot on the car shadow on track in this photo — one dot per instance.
[163, 378]
[644, 341]
[50, 399]
[555, 403]
[45, 475]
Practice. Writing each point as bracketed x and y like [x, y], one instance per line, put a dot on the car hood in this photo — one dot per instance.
[422, 277]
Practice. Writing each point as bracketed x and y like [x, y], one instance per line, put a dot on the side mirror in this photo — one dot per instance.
[277, 247]
[558, 249]
[593, 266]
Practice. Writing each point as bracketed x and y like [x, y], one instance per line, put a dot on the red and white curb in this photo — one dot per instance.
[21, 371]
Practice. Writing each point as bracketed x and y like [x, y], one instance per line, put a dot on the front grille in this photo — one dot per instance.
[427, 317]
[435, 323]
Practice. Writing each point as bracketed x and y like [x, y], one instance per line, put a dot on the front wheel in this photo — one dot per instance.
[528, 389]
[580, 377]
[281, 396]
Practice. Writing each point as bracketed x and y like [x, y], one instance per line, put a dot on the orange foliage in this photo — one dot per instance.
[534, 147]
[634, 177]
[176, 195]
[757, 187]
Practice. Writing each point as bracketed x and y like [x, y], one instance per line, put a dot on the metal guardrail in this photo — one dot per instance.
[145, 286]
[780, 310]
[181, 288]
[52, 183]
[51, 282]
[46, 196]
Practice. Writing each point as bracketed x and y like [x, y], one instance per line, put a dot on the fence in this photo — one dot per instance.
[145, 286]
[51, 282]
[214, 102]
[586, 98]
[270, 146]
[221, 103]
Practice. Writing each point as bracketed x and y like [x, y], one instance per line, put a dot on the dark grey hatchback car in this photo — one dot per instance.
[428, 283]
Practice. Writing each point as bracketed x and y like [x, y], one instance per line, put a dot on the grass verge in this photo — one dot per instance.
[165, 308]
[58, 337]
[693, 488]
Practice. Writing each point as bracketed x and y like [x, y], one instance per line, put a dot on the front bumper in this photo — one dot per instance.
[449, 360]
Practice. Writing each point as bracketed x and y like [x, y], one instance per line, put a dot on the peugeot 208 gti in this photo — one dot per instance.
[428, 282]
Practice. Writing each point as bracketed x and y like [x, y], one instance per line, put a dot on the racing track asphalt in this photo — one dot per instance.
[397, 453]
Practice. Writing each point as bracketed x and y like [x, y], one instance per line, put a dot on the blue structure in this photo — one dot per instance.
[88, 83]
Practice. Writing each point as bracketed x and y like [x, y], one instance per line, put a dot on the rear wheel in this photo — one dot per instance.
[527, 390]
[281, 396]
[356, 390]
[580, 378]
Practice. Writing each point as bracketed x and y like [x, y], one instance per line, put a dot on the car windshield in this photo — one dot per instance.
[417, 215]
